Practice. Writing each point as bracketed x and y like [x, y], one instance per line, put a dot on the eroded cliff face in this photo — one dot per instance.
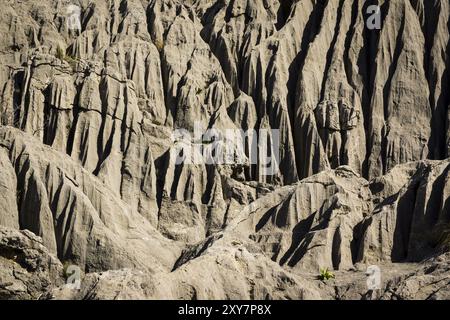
[88, 111]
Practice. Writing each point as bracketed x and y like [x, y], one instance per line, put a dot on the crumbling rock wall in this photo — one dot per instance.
[87, 153]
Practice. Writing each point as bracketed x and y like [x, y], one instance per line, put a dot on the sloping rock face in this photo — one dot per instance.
[337, 219]
[94, 93]
[77, 216]
[410, 220]
[28, 269]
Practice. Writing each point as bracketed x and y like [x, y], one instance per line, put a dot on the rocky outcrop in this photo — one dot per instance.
[313, 224]
[96, 109]
[429, 282]
[235, 273]
[78, 217]
[28, 269]
[336, 219]
[413, 213]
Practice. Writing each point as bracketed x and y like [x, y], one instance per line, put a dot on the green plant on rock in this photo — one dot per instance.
[73, 62]
[60, 53]
[326, 274]
[66, 265]
[159, 45]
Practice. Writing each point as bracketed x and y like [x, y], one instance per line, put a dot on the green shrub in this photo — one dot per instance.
[66, 265]
[60, 53]
[73, 62]
[326, 274]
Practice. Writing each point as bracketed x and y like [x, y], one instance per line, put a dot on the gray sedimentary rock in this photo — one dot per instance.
[89, 106]
[413, 212]
[78, 217]
[28, 269]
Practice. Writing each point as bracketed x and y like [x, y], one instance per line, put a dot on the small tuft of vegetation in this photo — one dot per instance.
[61, 55]
[72, 61]
[159, 45]
[326, 274]
[66, 265]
